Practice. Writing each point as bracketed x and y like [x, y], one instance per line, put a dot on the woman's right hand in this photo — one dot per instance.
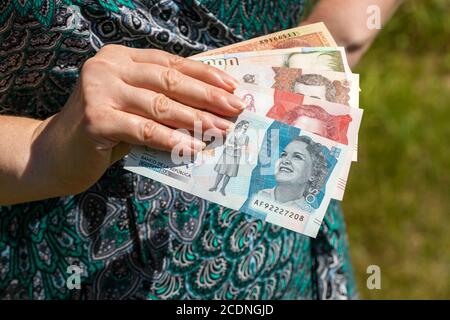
[128, 96]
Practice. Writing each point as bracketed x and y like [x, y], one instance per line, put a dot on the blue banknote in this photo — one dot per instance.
[265, 168]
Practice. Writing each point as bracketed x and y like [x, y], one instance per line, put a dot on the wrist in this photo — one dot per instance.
[42, 174]
[15, 158]
[51, 171]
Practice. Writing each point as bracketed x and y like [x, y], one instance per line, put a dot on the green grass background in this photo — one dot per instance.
[397, 203]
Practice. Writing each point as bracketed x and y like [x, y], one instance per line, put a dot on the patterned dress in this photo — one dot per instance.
[133, 237]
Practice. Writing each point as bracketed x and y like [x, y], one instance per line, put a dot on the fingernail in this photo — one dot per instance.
[236, 102]
[197, 144]
[221, 123]
[190, 152]
[230, 81]
[190, 142]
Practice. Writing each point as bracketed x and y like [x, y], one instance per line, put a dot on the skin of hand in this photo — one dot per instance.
[348, 22]
[124, 96]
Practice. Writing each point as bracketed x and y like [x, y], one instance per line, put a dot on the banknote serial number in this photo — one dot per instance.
[278, 37]
[275, 209]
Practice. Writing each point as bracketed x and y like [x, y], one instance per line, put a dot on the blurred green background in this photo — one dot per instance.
[397, 204]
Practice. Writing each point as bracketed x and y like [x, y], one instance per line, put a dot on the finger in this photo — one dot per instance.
[182, 88]
[160, 108]
[192, 68]
[137, 130]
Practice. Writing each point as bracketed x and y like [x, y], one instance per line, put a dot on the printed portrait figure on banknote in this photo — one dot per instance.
[299, 173]
[303, 60]
[313, 85]
[320, 87]
[249, 100]
[292, 43]
[312, 118]
[249, 78]
[228, 164]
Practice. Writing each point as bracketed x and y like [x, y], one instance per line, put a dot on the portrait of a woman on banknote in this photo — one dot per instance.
[312, 118]
[249, 102]
[228, 164]
[300, 170]
[320, 87]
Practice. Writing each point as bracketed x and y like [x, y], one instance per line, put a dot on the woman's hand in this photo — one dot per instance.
[125, 96]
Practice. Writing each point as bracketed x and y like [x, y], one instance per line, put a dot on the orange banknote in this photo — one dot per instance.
[313, 35]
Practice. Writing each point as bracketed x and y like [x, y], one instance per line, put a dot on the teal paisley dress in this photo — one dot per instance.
[134, 238]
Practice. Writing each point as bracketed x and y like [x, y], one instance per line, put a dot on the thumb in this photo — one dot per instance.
[120, 151]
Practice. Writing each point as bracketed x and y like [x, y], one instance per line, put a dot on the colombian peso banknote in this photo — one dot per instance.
[323, 82]
[317, 58]
[291, 150]
[333, 121]
[264, 168]
[332, 86]
[313, 35]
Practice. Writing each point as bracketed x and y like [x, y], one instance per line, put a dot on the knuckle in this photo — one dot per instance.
[109, 49]
[198, 116]
[161, 105]
[97, 84]
[94, 67]
[175, 138]
[148, 130]
[210, 69]
[89, 66]
[171, 79]
[92, 118]
[176, 62]
[212, 95]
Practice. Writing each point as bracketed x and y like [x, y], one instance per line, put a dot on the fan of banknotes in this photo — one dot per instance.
[290, 151]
